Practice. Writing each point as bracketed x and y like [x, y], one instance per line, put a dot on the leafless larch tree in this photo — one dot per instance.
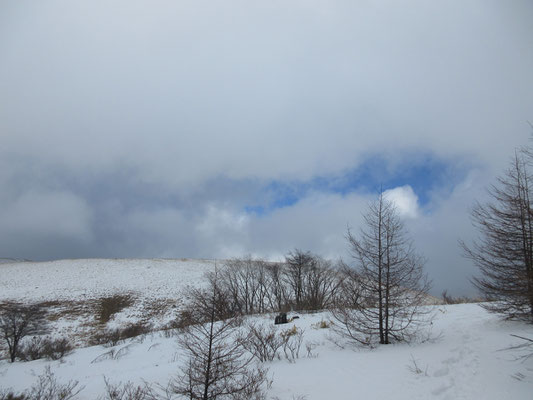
[381, 299]
[504, 251]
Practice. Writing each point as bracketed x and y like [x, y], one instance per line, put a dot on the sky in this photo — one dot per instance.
[215, 129]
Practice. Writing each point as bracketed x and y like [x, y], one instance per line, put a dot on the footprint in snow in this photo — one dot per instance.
[441, 372]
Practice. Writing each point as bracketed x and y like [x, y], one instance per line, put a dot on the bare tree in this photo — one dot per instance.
[297, 265]
[504, 251]
[244, 280]
[278, 295]
[389, 283]
[218, 366]
[320, 285]
[297, 262]
[305, 281]
[18, 321]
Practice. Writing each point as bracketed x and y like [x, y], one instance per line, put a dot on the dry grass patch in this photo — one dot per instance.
[108, 306]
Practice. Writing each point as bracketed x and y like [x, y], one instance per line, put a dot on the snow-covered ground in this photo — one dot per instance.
[467, 359]
[467, 356]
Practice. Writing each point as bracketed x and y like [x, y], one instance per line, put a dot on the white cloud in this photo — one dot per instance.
[405, 200]
[216, 219]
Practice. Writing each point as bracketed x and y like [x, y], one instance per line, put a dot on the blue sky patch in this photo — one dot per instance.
[424, 173]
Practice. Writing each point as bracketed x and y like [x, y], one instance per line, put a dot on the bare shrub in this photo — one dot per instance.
[108, 306]
[106, 338]
[310, 347]
[56, 349]
[48, 388]
[134, 329]
[8, 394]
[262, 342]
[18, 321]
[31, 349]
[112, 337]
[415, 368]
[292, 342]
[185, 318]
[113, 354]
[45, 347]
[128, 391]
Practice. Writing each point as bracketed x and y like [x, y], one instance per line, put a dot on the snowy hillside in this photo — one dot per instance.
[91, 278]
[463, 354]
[71, 290]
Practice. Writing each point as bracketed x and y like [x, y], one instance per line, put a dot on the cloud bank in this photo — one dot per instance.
[213, 129]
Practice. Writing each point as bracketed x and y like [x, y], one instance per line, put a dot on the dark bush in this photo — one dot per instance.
[185, 318]
[31, 349]
[56, 349]
[45, 347]
[112, 337]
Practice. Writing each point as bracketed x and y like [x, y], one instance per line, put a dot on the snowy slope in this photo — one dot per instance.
[91, 278]
[465, 360]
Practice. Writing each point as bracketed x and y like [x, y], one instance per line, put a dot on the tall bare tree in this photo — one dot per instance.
[218, 366]
[320, 285]
[298, 263]
[389, 283]
[246, 281]
[504, 251]
[278, 293]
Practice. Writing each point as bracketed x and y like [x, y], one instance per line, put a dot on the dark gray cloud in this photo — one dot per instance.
[140, 129]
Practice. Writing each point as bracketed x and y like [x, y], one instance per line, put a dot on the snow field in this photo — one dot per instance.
[465, 358]
[93, 278]
[467, 355]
